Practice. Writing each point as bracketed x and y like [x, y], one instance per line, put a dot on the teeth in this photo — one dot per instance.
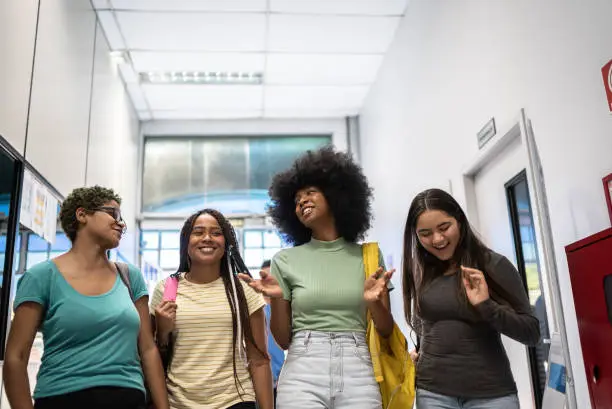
[307, 211]
[207, 249]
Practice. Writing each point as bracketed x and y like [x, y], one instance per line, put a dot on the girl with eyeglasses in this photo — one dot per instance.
[215, 330]
[97, 340]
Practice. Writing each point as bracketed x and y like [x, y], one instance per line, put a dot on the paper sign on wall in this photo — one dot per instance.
[38, 208]
[554, 393]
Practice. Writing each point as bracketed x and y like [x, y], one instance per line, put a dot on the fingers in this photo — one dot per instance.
[470, 271]
[380, 273]
[245, 277]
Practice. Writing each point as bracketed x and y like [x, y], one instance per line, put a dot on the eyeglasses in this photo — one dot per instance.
[114, 212]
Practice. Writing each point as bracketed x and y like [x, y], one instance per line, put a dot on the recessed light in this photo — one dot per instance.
[202, 77]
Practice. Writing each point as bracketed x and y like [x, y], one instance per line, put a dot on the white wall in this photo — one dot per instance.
[453, 66]
[114, 135]
[335, 127]
[17, 37]
[61, 92]
[81, 129]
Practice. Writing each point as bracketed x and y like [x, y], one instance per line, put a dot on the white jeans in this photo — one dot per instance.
[328, 371]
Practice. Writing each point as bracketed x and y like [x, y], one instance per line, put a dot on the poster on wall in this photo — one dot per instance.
[38, 208]
[554, 393]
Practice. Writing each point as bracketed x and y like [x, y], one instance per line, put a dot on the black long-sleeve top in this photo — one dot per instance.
[461, 352]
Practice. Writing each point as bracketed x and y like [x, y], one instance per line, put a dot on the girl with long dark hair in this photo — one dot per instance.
[459, 296]
[216, 326]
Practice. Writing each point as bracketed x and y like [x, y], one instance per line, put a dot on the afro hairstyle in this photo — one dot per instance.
[88, 198]
[341, 181]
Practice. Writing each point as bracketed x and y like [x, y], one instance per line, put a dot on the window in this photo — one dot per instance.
[230, 174]
[39, 250]
[260, 245]
[161, 248]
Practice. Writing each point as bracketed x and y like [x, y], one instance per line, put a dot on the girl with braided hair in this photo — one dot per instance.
[216, 326]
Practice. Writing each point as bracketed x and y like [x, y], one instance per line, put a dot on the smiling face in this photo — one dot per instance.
[206, 241]
[438, 233]
[311, 206]
[104, 224]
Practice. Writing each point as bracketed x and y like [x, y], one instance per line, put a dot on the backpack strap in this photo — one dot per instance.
[370, 258]
[124, 273]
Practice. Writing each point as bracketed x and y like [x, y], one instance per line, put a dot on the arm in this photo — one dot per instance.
[381, 314]
[15, 372]
[280, 321]
[515, 320]
[259, 363]
[151, 362]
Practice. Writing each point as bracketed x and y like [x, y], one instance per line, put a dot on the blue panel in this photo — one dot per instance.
[37, 243]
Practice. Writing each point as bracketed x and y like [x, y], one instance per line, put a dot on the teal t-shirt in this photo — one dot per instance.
[88, 341]
[324, 283]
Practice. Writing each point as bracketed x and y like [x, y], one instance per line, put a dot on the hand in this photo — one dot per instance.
[267, 285]
[475, 285]
[165, 317]
[375, 286]
[414, 355]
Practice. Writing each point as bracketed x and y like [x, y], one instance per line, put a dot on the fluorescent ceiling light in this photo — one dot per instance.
[202, 77]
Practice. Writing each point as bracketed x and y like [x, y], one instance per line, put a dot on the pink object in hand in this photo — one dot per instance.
[170, 289]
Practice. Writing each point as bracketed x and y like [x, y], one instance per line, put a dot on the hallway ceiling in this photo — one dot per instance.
[229, 59]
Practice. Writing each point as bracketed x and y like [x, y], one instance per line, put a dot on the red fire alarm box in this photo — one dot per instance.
[590, 267]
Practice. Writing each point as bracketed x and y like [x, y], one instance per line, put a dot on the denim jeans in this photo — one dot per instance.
[328, 371]
[430, 400]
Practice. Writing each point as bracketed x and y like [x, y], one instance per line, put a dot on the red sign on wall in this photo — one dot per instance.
[606, 72]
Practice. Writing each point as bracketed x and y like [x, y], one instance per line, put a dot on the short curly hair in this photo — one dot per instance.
[341, 181]
[88, 198]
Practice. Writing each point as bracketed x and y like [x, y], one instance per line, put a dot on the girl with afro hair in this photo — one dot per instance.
[319, 294]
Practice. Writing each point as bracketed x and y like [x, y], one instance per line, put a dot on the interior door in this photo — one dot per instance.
[495, 229]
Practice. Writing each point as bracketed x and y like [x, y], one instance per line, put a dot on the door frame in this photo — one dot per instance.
[521, 129]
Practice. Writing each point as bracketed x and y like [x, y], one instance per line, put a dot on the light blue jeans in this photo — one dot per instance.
[328, 371]
[430, 400]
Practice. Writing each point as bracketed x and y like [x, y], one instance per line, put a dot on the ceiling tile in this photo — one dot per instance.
[191, 5]
[362, 7]
[111, 30]
[331, 34]
[310, 113]
[321, 98]
[202, 97]
[208, 114]
[101, 4]
[186, 61]
[322, 69]
[193, 31]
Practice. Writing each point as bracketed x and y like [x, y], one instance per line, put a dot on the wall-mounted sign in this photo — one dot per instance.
[606, 72]
[607, 182]
[486, 133]
[38, 208]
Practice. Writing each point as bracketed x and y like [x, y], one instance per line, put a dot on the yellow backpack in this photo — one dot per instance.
[393, 368]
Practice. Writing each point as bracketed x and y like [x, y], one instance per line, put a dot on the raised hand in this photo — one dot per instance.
[267, 285]
[165, 317]
[475, 284]
[375, 286]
